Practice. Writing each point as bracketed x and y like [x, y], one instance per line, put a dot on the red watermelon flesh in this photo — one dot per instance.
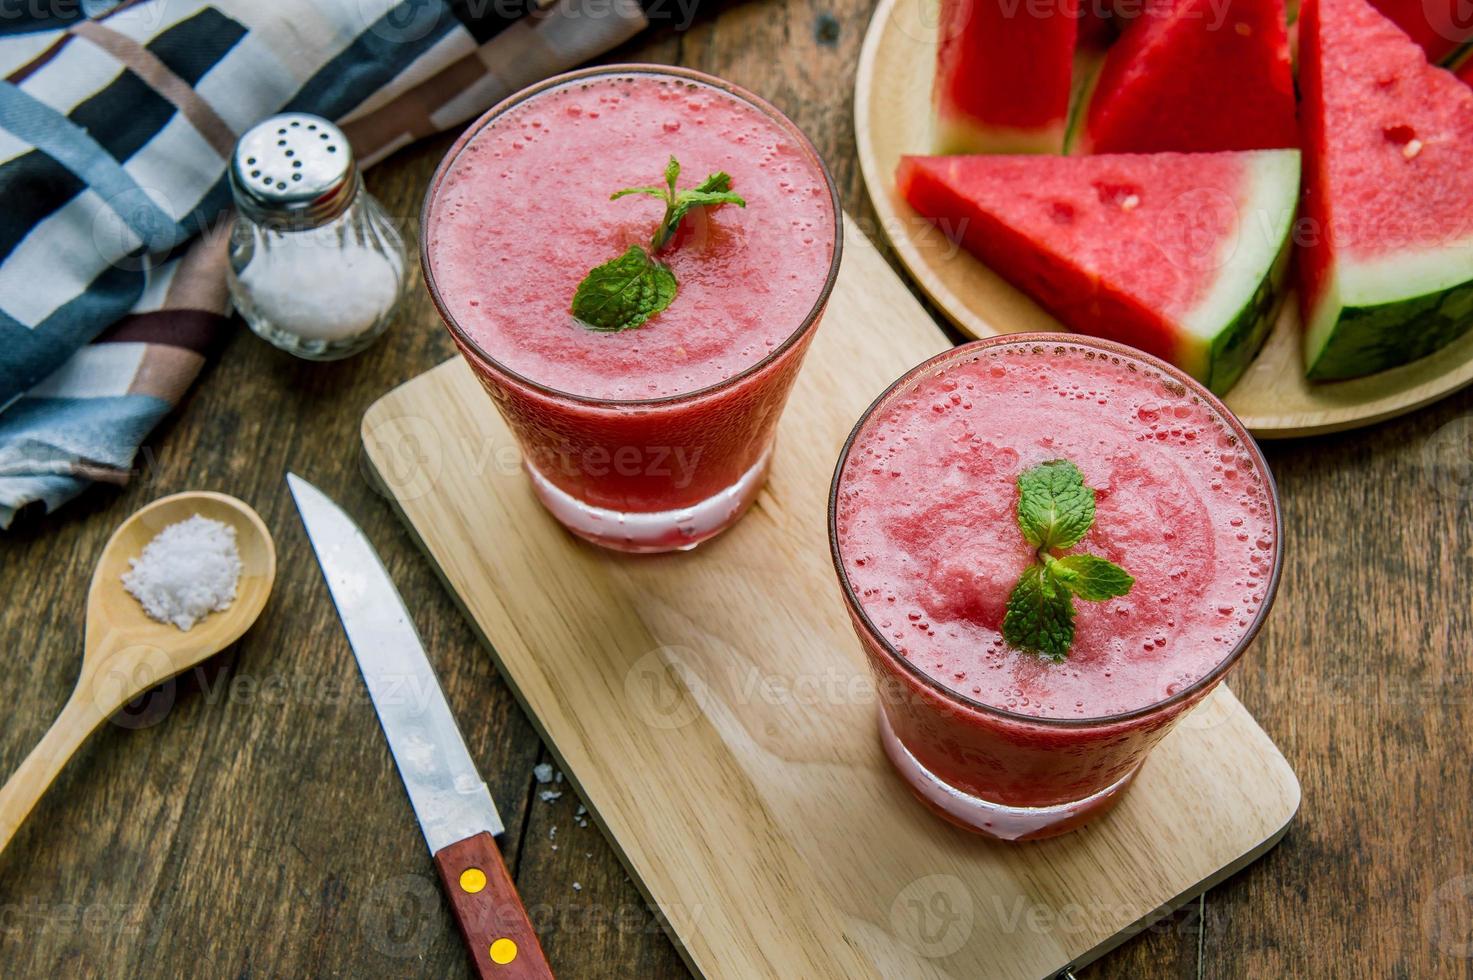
[1386, 262]
[1195, 76]
[1003, 72]
[1440, 27]
[1176, 254]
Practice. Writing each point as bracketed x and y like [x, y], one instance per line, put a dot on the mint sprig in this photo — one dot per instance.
[714, 190]
[1055, 511]
[624, 292]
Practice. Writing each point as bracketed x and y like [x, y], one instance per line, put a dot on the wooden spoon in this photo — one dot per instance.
[126, 653]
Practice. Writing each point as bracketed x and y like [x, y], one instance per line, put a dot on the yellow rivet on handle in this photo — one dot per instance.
[503, 951]
[472, 880]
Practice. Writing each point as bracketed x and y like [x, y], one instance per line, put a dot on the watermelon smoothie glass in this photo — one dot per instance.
[925, 538]
[658, 437]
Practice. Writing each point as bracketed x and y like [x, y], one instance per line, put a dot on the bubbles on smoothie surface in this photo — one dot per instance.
[524, 213]
[927, 527]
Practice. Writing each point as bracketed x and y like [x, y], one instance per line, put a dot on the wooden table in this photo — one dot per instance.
[248, 821]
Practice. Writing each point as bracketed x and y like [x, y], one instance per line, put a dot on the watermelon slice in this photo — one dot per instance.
[1386, 266]
[1440, 27]
[1195, 76]
[1003, 71]
[1178, 254]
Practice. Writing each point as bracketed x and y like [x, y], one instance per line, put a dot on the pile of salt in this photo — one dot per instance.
[189, 570]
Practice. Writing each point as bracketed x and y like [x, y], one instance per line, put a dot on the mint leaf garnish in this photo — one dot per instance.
[717, 183]
[1055, 511]
[1090, 576]
[1055, 508]
[659, 192]
[1040, 616]
[623, 293]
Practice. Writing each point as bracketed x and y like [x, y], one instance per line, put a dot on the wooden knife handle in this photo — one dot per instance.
[492, 919]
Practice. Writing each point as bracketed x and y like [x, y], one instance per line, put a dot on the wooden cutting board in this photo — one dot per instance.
[715, 713]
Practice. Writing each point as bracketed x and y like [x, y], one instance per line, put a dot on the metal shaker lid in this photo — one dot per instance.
[295, 169]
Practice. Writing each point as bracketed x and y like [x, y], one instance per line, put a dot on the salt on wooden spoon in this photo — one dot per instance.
[191, 569]
[127, 653]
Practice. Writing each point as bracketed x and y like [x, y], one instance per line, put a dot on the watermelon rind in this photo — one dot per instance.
[1226, 331]
[1461, 63]
[1234, 348]
[1386, 312]
[958, 136]
[1087, 65]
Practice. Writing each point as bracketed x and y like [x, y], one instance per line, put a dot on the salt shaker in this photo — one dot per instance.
[316, 266]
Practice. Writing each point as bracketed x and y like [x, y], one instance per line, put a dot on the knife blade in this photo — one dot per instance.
[450, 799]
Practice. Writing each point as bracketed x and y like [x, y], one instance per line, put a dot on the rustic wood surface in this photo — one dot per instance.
[247, 821]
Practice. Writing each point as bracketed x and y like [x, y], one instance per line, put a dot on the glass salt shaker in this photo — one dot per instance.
[316, 266]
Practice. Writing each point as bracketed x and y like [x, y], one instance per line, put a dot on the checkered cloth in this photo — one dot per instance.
[117, 120]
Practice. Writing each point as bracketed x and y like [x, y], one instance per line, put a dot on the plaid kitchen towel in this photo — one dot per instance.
[117, 119]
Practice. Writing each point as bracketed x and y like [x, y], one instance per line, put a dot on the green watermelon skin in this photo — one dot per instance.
[1180, 255]
[1235, 348]
[1394, 333]
[1386, 267]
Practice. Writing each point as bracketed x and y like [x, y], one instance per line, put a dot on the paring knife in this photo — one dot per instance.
[454, 808]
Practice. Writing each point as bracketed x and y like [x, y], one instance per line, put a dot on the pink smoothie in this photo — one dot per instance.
[523, 212]
[928, 537]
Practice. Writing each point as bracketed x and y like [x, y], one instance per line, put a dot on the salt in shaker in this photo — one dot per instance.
[316, 266]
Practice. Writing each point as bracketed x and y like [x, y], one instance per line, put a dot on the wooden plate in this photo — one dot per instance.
[892, 116]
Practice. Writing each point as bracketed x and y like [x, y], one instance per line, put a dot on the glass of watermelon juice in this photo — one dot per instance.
[926, 539]
[658, 437]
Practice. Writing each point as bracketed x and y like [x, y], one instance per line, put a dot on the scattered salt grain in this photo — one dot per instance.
[189, 570]
[548, 795]
[577, 887]
[543, 772]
